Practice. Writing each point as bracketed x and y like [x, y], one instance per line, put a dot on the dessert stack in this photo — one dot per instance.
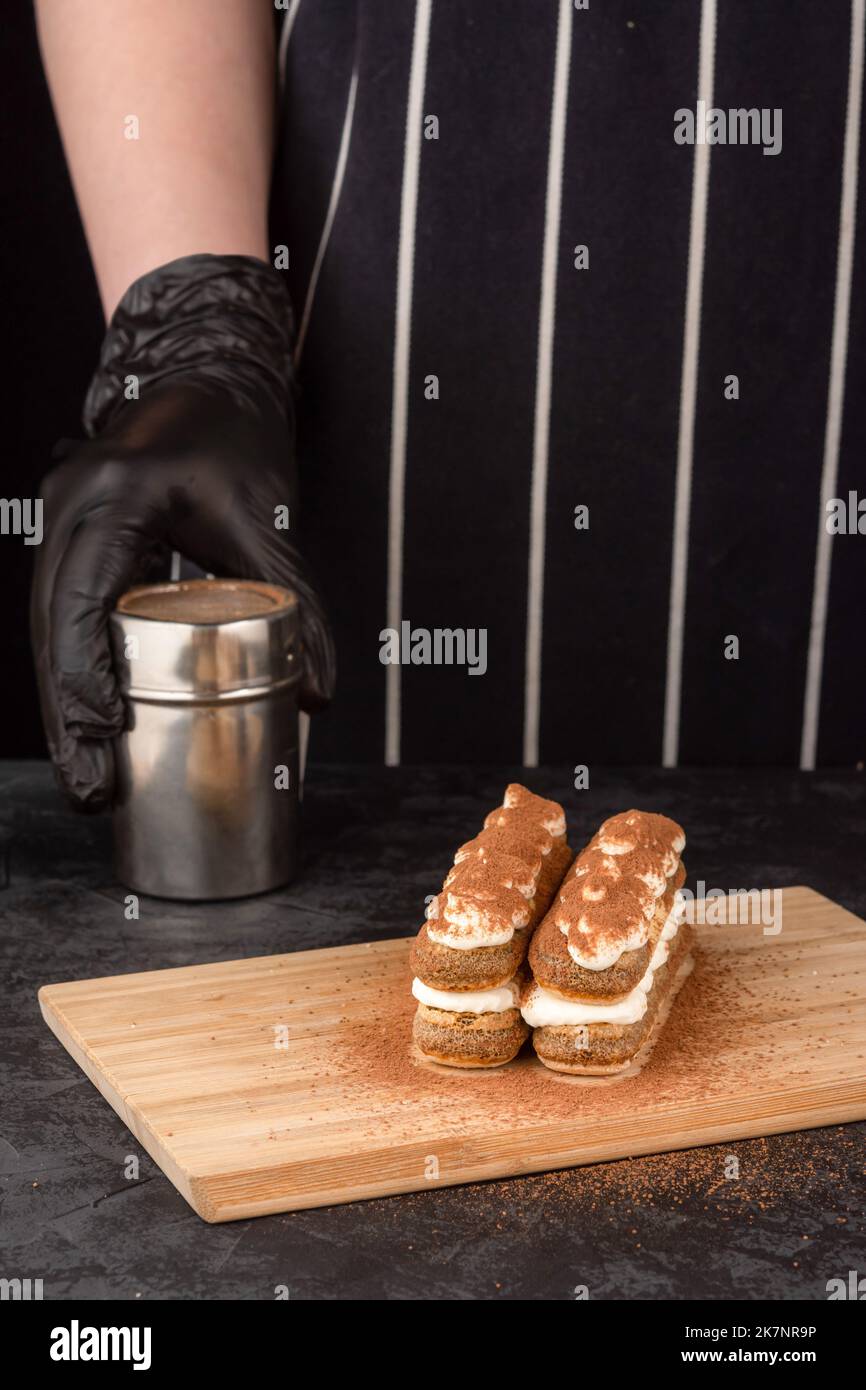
[607, 957]
[468, 957]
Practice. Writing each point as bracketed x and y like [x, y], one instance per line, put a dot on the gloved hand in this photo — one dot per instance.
[198, 463]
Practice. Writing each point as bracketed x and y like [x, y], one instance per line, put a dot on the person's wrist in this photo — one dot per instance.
[221, 321]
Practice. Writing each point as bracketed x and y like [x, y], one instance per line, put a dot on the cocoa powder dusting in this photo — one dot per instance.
[726, 1038]
[771, 1169]
[772, 1173]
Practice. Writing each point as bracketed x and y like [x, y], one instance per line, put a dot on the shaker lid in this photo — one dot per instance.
[206, 600]
[205, 639]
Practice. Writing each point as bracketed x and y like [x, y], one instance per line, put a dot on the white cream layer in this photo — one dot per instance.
[466, 932]
[541, 1009]
[467, 940]
[469, 1001]
[603, 960]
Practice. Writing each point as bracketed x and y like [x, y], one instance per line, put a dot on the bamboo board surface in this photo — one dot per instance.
[289, 1081]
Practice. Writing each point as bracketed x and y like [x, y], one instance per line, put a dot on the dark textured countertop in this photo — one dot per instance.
[375, 842]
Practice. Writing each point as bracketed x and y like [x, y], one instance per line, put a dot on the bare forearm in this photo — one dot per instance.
[193, 80]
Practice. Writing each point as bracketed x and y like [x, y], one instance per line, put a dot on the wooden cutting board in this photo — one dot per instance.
[289, 1081]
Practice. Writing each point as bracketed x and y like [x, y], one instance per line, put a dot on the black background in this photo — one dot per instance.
[768, 297]
[53, 328]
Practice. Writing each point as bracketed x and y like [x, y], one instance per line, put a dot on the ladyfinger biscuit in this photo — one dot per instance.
[441, 967]
[467, 956]
[609, 948]
[469, 1040]
[487, 966]
[554, 968]
[598, 1048]
[494, 896]
[611, 898]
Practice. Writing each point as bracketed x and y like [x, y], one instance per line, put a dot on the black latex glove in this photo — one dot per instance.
[197, 464]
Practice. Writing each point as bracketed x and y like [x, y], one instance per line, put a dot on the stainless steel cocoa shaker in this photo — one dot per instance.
[206, 801]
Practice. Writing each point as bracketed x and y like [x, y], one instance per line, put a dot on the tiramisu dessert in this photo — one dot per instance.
[606, 958]
[468, 956]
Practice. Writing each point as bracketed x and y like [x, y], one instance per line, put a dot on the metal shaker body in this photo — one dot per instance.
[202, 810]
